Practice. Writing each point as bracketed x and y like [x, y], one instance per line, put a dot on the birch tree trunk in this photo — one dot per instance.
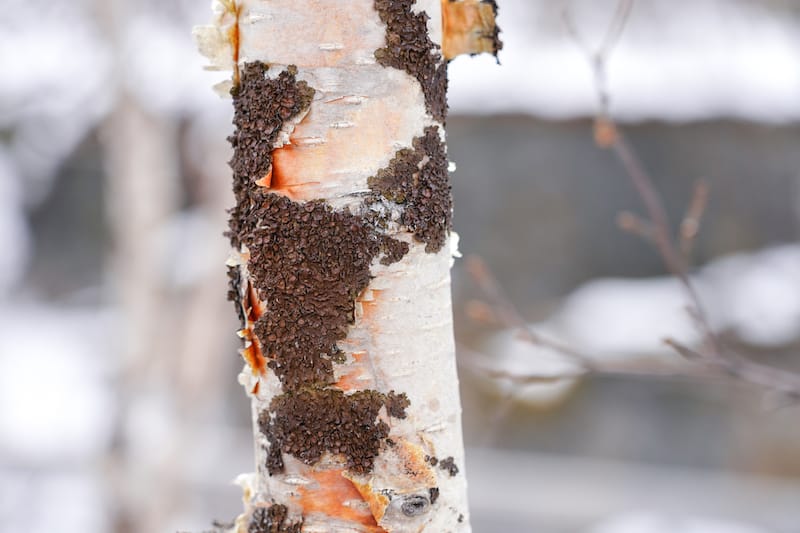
[341, 258]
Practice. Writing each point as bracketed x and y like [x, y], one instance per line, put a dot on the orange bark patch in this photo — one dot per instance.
[469, 28]
[369, 307]
[416, 469]
[334, 495]
[352, 380]
[288, 164]
[256, 307]
[377, 502]
[233, 37]
[253, 354]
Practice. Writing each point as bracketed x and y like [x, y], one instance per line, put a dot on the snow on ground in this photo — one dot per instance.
[674, 61]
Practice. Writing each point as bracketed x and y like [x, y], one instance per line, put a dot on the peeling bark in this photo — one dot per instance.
[470, 28]
[340, 264]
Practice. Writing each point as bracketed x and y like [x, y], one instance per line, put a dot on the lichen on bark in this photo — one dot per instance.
[410, 48]
[417, 179]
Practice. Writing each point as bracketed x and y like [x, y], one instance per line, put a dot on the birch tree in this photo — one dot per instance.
[341, 254]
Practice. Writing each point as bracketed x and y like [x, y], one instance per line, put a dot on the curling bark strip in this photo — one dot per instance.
[340, 264]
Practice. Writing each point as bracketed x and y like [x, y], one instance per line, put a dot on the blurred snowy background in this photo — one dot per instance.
[119, 408]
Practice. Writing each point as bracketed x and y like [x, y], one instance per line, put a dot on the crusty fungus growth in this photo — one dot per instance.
[409, 48]
[309, 263]
[310, 422]
[396, 404]
[261, 107]
[272, 519]
[236, 293]
[418, 180]
[449, 465]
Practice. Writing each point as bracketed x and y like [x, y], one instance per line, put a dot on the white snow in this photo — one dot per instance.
[66, 502]
[649, 522]
[624, 318]
[686, 61]
[56, 401]
[754, 296]
[757, 296]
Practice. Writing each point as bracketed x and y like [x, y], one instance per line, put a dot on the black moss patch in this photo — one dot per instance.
[261, 106]
[433, 492]
[310, 422]
[272, 519]
[409, 48]
[449, 465]
[423, 189]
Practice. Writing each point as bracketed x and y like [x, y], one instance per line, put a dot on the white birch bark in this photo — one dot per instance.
[401, 340]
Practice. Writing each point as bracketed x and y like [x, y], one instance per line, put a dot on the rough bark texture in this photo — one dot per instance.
[340, 268]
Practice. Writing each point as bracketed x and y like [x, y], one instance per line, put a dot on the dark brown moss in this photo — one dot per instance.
[409, 48]
[422, 188]
[236, 293]
[261, 107]
[434, 494]
[310, 422]
[393, 250]
[272, 519]
[396, 404]
[431, 460]
[309, 263]
[449, 465]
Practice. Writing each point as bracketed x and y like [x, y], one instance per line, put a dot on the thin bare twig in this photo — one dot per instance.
[508, 313]
[712, 361]
[636, 225]
[658, 228]
[690, 226]
[598, 56]
[504, 312]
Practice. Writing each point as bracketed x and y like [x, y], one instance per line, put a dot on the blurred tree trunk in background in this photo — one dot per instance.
[170, 326]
